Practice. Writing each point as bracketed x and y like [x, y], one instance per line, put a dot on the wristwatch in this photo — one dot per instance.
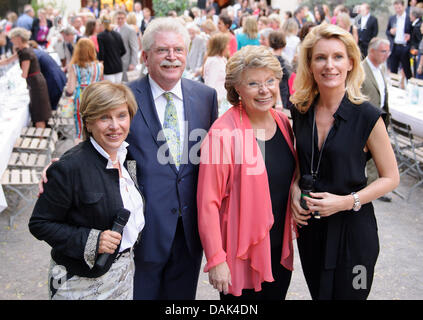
[357, 203]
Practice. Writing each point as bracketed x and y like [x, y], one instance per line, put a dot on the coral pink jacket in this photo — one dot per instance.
[234, 205]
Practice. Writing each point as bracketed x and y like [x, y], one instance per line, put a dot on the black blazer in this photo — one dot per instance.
[144, 25]
[369, 32]
[391, 23]
[80, 195]
[36, 27]
[416, 35]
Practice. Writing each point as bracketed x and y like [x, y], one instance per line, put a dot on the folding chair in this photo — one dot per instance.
[18, 185]
[409, 154]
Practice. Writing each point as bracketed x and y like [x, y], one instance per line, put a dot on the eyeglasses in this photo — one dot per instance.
[385, 51]
[163, 51]
[269, 84]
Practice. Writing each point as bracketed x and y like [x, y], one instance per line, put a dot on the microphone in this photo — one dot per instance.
[118, 225]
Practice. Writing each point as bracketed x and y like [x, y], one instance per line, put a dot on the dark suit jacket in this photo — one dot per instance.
[371, 90]
[391, 24]
[168, 191]
[416, 35]
[80, 195]
[370, 31]
[144, 25]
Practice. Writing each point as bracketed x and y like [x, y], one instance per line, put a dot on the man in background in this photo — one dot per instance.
[376, 89]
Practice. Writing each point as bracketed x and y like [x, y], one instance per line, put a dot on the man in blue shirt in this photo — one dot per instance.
[25, 20]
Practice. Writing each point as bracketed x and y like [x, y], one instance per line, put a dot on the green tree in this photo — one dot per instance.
[161, 8]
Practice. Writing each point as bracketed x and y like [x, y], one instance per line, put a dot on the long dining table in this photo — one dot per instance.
[14, 115]
[403, 110]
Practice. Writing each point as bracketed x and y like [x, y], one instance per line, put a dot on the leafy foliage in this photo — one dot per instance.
[161, 8]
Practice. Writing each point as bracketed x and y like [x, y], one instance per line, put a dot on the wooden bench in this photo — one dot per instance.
[18, 185]
[63, 126]
[37, 140]
[29, 160]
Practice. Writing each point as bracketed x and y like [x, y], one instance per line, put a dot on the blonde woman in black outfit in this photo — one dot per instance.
[337, 131]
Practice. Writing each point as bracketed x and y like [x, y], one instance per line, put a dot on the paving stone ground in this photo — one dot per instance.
[24, 261]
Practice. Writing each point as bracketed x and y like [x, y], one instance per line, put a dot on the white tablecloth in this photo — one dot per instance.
[14, 115]
[403, 110]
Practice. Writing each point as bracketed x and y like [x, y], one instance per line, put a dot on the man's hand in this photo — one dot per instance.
[44, 177]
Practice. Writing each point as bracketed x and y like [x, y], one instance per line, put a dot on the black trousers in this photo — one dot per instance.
[345, 282]
[270, 290]
[400, 55]
[174, 279]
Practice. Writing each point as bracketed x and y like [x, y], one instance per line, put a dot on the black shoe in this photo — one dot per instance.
[385, 198]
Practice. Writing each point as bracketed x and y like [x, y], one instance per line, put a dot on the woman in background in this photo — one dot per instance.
[214, 70]
[39, 106]
[249, 34]
[224, 25]
[84, 69]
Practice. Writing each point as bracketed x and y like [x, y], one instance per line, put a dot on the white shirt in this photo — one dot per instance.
[399, 35]
[131, 198]
[364, 19]
[161, 102]
[377, 73]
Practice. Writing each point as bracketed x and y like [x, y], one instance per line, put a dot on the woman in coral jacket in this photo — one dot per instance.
[246, 170]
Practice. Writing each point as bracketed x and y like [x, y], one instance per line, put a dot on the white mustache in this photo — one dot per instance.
[166, 63]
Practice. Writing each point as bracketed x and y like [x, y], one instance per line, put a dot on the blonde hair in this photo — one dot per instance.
[131, 18]
[249, 57]
[84, 52]
[100, 97]
[304, 84]
[250, 27]
[106, 21]
[217, 44]
[345, 19]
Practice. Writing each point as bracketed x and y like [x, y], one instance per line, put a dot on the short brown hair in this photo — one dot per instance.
[99, 97]
[217, 44]
[277, 40]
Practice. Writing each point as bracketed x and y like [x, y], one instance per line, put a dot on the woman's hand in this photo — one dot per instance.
[220, 277]
[327, 203]
[299, 215]
[109, 241]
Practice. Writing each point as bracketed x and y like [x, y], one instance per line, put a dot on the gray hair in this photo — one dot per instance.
[376, 42]
[168, 24]
[22, 33]
[416, 12]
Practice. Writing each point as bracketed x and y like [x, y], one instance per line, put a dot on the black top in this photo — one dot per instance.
[283, 84]
[343, 160]
[351, 236]
[110, 51]
[280, 166]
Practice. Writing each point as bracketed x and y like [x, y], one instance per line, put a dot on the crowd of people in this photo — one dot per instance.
[232, 74]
